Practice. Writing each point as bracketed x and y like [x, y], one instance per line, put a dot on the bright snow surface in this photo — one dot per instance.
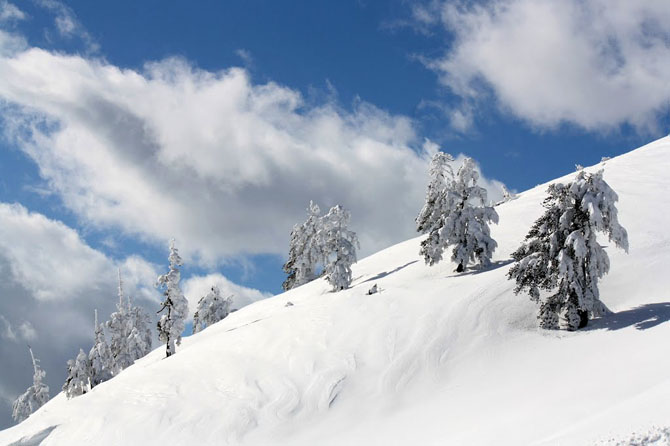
[435, 358]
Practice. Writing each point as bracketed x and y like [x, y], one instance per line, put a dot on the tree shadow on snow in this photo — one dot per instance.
[478, 270]
[388, 273]
[36, 439]
[642, 318]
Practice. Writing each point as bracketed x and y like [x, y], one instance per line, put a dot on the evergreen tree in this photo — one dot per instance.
[455, 214]
[139, 340]
[507, 196]
[78, 375]
[431, 218]
[211, 309]
[33, 398]
[304, 254]
[561, 254]
[100, 357]
[338, 244]
[171, 324]
[120, 327]
[290, 265]
[466, 222]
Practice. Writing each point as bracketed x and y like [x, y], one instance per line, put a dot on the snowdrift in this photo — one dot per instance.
[434, 358]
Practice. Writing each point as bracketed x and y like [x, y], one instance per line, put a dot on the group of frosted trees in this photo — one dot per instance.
[211, 308]
[126, 337]
[324, 242]
[559, 263]
[117, 344]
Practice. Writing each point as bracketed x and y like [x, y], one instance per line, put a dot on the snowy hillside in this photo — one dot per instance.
[435, 358]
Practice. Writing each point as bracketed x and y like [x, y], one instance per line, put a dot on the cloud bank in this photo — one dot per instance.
[597, 64]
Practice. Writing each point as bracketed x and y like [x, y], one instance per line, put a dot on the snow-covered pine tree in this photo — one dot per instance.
[78, 375]
[100, 357]
[171, 324]
[304, 254]
[211, 309]
[431, 218]
[33, 398]
[290, 267]
[507, 195]
[338, 244]
[139, 340]
[562, 255]
[466, 222]
[120, 326]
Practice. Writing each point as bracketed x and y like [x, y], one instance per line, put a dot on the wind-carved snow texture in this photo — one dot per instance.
[436, 358]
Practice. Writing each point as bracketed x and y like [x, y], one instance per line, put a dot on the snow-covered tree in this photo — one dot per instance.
[78, 375]
[33, 398]
[120, 327]
[460, 218]
[171, 324]
[561, 254]
[507, 196]
[211, 309]
[431, 218]
[100, 357]
[139, 339]
[466, 223]
[338, 244]
[304, 253]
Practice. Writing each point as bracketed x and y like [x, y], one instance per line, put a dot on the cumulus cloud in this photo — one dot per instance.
[594, 63]
[196, 287]
[225, 166]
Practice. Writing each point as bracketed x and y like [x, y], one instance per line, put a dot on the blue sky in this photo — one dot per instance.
[126, 123]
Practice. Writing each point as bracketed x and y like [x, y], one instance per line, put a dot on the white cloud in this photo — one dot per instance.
[39, 249]
[225, 166]
[11, 44]
[10, 12]
[196, 287]
[594, 63]
[246, 56]
[6, 331]
[68, 25]
[27, 331]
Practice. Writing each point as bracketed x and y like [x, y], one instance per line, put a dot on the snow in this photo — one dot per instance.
[433, 358]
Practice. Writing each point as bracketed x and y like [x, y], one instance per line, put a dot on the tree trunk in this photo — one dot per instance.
[583, 318]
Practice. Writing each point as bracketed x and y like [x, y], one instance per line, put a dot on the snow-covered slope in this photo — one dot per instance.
[434, 358]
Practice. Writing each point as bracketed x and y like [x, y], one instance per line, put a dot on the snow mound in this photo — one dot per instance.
[433, 357]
